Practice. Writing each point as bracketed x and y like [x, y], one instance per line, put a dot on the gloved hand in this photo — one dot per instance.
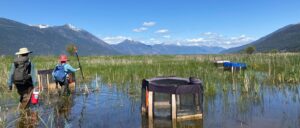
[78, 69]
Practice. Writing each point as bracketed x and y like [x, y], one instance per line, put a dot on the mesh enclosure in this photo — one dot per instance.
[188, 91]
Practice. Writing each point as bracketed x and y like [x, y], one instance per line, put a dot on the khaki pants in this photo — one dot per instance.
[25, 96]
[64, 87]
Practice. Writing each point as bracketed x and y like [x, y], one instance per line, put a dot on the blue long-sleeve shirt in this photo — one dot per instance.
[32, 74]
[69, 69]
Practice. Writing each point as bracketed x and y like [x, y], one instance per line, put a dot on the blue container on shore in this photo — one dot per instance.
[236, 65]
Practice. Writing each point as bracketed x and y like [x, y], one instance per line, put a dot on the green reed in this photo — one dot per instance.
[127, 72]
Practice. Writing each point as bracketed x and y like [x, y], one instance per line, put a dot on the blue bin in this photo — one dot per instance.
[234, 65]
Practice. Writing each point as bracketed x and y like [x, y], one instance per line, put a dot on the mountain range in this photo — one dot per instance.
[52, 40]
[286, 39]
[132, 47]
[49, 40]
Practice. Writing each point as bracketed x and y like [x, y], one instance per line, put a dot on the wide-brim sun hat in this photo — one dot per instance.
[23, 51]
[63, 58]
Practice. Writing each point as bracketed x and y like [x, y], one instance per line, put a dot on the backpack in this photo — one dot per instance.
[21, 74]
[59, 73]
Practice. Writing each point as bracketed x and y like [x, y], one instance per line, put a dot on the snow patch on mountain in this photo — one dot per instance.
[72, 27]
[41, 26]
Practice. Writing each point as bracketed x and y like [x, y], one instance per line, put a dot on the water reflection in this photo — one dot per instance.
[62, 110]
[28, 119]
[272, 106]
[160, 122]
[107, 107]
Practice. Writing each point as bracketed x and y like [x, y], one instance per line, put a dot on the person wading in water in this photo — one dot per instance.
[61, 74]
[23, 76]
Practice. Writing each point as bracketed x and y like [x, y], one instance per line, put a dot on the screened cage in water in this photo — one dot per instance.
[172, 100]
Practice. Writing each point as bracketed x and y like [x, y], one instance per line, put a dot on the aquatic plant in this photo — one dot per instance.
[130, 70]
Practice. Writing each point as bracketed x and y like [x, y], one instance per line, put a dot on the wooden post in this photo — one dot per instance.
[39, 80]
[48, 83]
[190, 117]
[174, 124]
[232, 73]
[150, 106]
[174, 113]
[41, 87]
[150, 123]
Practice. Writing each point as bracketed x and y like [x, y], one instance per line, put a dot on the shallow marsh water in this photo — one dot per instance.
[108, 107]
[275, 104]
[271, 107]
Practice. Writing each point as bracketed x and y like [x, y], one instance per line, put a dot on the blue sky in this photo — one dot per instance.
[225, 23]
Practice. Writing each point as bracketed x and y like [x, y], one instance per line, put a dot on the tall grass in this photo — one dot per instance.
[128, 71]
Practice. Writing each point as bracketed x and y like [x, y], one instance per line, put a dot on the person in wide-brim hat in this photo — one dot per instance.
[23, 51]
[23, 76]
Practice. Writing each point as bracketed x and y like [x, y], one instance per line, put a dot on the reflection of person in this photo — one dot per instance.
[23, 75]
[61, 73]
[28, 119]
[63, 109]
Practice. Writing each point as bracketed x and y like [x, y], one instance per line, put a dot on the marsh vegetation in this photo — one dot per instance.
[266, 75]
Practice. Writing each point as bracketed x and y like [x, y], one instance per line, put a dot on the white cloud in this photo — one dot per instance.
[153, 41]
[162, 31]
[149, 24]
[207, 33]
[195, 40]
[211, 39]
[141, 29]
[145, 26]
[211, 35]
[215, 39]
[178, 44]
[115, 39]
[166, 36]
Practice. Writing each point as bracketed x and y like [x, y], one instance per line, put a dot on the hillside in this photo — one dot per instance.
[131, 47]
[49, 40]
[286, 39]
[52, 40]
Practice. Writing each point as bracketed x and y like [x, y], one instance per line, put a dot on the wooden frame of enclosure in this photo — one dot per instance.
[174, 101]
[148, 104]
[45, 80]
